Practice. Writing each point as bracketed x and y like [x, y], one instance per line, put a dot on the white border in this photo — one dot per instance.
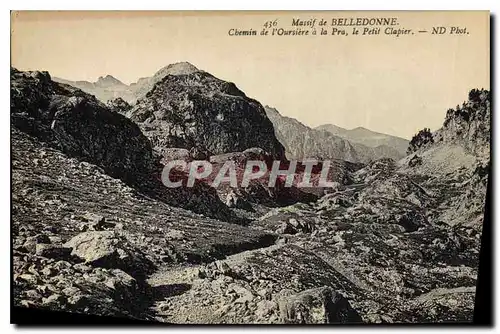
[491, 5]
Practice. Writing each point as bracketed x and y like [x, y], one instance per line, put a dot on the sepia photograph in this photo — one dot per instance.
[249, 167]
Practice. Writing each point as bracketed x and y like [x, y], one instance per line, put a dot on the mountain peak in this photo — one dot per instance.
[177, 69]
[108, 80]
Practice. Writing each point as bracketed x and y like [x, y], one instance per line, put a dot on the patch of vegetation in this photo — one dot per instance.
[422, 138]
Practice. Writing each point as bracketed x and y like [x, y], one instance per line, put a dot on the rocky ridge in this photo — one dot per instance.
[303, 142]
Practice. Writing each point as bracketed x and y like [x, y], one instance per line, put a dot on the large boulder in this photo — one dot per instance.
[107, 249]
[317, 306]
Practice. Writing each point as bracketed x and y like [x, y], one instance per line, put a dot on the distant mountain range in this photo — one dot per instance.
[333, 142]
[367, 137]
[109, 88]
[326, 141]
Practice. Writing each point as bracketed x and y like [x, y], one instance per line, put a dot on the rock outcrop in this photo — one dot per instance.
[109, 88]
[126, 234]
[118, 105]
[199, 110]
[79, 125]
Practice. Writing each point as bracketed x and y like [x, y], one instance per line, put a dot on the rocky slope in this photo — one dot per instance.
[302, 142]
[391, 242]
[85, 242]
[82, 127]
[367, 137]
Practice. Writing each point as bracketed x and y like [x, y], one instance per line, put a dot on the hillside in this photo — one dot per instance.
[302, 142]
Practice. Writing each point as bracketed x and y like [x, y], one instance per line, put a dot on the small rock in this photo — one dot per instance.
[53, 299]
[47, 271]
[223, 267]
[33, 295]
[281, 241]
[294, 222]
[265, 293]
[79, 301]
[107, 249]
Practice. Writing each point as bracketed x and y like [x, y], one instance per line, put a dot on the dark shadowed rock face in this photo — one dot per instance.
[200, 110]
[302, 142]
[79, 125]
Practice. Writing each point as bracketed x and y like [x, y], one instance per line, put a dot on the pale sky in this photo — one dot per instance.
[395, 85]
